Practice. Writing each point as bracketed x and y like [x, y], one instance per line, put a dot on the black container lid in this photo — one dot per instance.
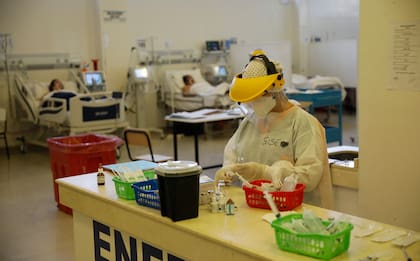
[179, 168]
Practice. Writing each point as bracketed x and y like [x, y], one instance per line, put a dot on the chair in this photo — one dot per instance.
[3, 129]
[140, 140]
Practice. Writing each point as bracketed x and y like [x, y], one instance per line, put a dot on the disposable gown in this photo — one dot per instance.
[289, 142]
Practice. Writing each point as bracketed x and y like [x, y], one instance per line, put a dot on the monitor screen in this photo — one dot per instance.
[93, 77]
[221, 71]
[212, 46]
[141, 73]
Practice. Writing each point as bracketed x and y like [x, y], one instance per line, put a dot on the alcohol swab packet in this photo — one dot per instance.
[388, 235]
[407, 240]
[364, 230]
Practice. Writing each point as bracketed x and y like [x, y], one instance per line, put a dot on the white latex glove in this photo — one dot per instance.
[278, 171]
[249, 171]
[276, 179]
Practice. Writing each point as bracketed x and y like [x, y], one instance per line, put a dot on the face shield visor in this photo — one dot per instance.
[255, 86]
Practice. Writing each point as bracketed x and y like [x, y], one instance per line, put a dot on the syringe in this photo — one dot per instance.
[244, 181]
[271, 203]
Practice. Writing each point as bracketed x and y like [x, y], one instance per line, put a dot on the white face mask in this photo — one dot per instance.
[263, 105]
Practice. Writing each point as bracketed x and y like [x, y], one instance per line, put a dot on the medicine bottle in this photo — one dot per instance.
[100, 176]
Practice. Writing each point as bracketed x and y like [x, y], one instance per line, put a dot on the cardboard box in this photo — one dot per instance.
[344, 166]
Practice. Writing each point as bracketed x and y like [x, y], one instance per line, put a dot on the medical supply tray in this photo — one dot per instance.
[147, 193]
[283, 200]
[314, 245]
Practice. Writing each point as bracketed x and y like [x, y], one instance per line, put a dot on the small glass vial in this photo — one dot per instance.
[100, 177]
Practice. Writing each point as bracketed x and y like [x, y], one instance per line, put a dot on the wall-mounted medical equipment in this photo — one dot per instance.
[214, 62]
[212, 46]
[215, 69]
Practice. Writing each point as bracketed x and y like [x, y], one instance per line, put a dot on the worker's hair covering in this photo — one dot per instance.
[259, 75]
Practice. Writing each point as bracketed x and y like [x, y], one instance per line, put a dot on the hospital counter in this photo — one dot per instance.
[108, 228]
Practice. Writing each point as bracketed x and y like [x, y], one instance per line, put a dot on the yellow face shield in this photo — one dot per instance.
[248, 89]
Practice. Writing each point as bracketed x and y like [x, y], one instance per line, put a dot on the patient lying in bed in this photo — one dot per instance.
[192, 88]
[56, 90]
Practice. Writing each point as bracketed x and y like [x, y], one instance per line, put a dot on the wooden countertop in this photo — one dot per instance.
[245, 232]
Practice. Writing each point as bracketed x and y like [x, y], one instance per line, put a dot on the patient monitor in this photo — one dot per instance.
[94, 81]
[139, 74]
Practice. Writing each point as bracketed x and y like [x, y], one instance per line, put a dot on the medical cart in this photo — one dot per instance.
[324, 98]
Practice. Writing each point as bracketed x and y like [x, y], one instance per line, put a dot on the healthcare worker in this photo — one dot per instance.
[277, 138]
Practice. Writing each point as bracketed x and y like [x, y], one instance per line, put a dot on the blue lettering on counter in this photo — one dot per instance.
[151, 251]
[98, 242]
[120, 248]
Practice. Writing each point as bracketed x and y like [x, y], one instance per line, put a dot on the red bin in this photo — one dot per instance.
[79, 154]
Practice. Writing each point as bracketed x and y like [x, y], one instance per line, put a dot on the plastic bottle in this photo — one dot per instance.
[313, 223]
[221, 202]
[100, 177]
[213, 204]
[289, 183]
[230, 207]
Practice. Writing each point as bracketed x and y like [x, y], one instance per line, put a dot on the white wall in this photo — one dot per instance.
[389, 125]
[328, 39]
[78, 26]
[47, 26]
[187, 24]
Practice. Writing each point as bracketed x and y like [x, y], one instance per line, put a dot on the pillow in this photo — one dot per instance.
[39, 89]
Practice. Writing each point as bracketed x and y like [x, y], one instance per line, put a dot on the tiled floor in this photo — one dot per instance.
[31, 227]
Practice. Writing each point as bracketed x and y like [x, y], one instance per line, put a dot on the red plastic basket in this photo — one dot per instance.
[79, 154]
[284, 200]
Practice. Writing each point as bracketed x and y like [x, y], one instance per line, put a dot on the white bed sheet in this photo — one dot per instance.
[318, 83]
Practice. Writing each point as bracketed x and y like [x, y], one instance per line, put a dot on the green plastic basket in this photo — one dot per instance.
[149, 174]
[124, 189]
[314, 245]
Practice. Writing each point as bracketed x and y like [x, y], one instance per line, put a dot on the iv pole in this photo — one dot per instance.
[6, 40]
[141, 87]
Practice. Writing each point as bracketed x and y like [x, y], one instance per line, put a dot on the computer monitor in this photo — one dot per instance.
[94, 81]
[92, 78]
[212, 46]
[139, 73]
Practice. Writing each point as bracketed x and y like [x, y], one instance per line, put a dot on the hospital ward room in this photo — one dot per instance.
[234, 130]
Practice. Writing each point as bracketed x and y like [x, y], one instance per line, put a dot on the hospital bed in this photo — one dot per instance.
[317, 82]
[174, 99]
[68, 112]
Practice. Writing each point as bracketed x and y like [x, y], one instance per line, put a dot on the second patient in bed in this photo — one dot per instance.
[192, 88]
